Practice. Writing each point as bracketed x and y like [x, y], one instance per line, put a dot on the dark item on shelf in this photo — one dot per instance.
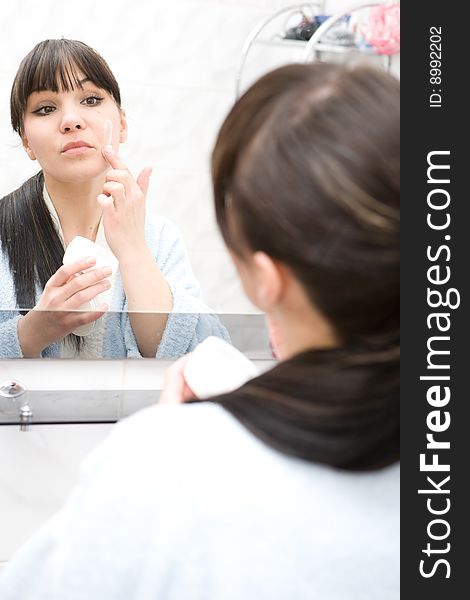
[303, 31]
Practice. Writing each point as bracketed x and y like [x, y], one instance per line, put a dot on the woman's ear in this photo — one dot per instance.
[123, 127]
[28, 149]
[268, 284]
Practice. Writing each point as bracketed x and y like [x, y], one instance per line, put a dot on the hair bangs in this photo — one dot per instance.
[59, 66]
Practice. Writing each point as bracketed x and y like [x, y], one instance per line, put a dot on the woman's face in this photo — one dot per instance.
[65, 131]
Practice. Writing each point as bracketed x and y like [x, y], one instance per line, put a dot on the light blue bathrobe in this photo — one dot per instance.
[189, 323]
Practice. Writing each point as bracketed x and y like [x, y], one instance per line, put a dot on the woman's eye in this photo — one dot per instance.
[44, 110]
[92, 100]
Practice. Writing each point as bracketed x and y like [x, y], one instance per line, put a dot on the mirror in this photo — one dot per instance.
[178, 67]
[175, 92]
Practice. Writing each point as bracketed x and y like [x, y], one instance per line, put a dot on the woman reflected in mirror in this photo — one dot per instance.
[66, 108]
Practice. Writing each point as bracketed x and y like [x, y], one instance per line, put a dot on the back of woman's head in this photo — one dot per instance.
[306, 169]
[58, 65]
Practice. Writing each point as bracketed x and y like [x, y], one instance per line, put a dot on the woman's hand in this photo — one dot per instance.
[123, 206]
[66, 291]
[175, 389]
[148, 294]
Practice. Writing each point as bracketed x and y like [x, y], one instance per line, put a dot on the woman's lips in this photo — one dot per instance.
[76, 151]
[76, 148]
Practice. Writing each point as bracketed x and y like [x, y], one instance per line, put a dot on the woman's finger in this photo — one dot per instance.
[65, 272]
[84, 317]
[81, 282]
[121, 176]
[107, 204]
[81, 297]
[72, 319]
[117, 191]
[56, 296]
[113, 158]
[175, 389]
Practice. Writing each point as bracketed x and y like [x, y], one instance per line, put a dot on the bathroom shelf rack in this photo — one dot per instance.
[314, 48]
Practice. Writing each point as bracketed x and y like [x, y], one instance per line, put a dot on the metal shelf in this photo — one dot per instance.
[319, 47]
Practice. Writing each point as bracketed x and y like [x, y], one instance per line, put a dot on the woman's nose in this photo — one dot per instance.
[72, 123]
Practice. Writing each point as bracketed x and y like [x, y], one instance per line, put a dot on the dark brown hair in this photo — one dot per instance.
[306, 169]
[27, 233]
[58, 65]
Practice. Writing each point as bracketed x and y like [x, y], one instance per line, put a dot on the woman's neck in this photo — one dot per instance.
[289, 336]
[296, 326]
[76, 206]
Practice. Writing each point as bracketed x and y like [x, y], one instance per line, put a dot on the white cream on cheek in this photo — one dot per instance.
[108, 132]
